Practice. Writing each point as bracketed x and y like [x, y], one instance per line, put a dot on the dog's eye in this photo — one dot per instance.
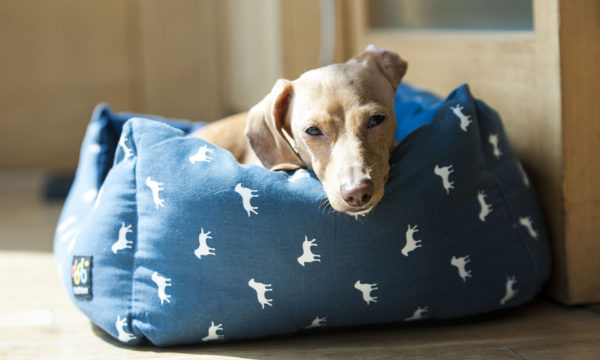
[313, 131]
[375, 120]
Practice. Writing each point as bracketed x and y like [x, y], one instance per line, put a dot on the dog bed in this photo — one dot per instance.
[166, 238]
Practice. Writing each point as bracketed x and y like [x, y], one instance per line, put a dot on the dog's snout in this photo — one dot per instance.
[357, 195]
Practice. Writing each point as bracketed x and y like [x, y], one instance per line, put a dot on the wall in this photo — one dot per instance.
[193, 59]
[58, 59]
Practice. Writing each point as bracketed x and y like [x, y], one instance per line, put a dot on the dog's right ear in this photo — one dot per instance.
[268, 129]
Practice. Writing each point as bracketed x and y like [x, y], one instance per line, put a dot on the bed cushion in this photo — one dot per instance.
[166, 238]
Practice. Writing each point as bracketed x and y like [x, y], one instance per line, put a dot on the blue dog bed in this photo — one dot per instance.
[166, 238]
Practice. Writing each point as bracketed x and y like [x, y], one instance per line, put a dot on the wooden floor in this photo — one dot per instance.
[37, 320]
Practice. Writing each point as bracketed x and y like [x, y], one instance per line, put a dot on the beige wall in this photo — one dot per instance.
[194, 59]
[58, 59]
[251, 51]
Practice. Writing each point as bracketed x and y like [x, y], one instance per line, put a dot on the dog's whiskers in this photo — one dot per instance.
[325, 205]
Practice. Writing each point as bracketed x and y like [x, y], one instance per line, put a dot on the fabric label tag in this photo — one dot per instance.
[81, 276]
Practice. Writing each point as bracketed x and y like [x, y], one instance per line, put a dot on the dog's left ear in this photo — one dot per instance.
[388, 62]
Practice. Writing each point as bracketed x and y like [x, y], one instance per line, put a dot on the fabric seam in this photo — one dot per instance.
[137, 229]
[498, 184]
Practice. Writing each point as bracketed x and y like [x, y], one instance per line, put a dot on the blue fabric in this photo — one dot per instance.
[188, 246]
[414, 108]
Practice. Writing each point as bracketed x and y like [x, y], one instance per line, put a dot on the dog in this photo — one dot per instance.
[337, 120]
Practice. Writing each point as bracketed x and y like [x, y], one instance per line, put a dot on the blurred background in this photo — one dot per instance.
[535, 61]
[192, 59]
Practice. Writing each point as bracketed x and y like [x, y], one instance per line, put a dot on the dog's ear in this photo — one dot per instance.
[388, 62]
[268, 129]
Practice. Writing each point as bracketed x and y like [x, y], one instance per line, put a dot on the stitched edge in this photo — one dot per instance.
[131, 315]
[510, 212]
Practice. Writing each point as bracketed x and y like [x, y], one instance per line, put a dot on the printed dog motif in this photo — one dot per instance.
[510, 290]
[212, 332]
[247, 194]
[493, 140]
[418, 314]
[444, 173]
[202, 155]
[127, 151]
[527, 223]
[486, 208]
[411, 243]
[317, 322]
[123, 335]
[465, 120]
[162, 283]
[122, 242]
[366, 290]
[461, 263]
[203, 248]
[307, 255]
[155, 187]
[261, 289]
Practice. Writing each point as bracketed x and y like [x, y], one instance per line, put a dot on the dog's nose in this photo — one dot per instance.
[357, 194]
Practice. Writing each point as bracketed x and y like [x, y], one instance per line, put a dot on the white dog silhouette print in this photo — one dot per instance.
[510, 290]
[317, 322]
[162, 283]
[366, 290]
[203, 248]
[261, 289]
[122, 242]
[493, 140]
[527, 223]
[418, 314]
[444, 173]
[307, 254]
[212, 332]
[247, 194]
[485, 208]
[123, 335]
[127, 151]
[411, 242]
[461, 264]
[465, 120]
[201, 155]
[155, 187]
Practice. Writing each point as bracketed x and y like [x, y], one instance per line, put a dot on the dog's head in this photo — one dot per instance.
[337, 120]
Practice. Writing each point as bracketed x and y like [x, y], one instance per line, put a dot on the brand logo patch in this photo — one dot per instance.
[81, 276]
